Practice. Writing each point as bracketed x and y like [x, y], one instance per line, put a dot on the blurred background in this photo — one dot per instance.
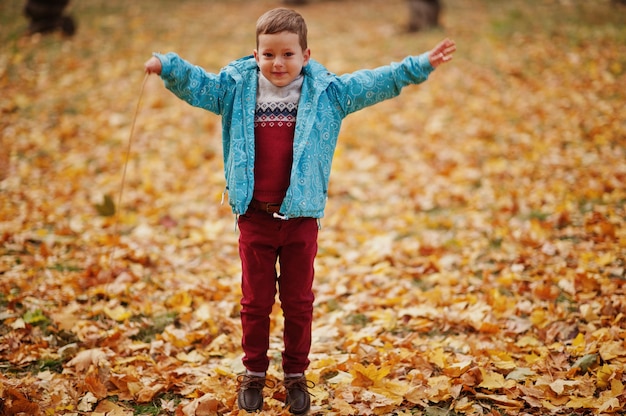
[500, 182]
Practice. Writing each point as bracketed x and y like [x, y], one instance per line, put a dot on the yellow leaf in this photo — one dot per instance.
[528, 341]
[617, 388]
[581, 402]
[456, 369]
[178, 337]
[610, 404]
[22, 100]
[389, 395]
[366, 376]
[222, 372]
[464, 405]
[503, 360]
[399, 388]
[538, 318]
[126, 361]
[611, 350]
[579, 343]
[438, 357]
[324, 362]
[439, 388]
[531, 358]
[342, 407]
[603, 375]
[119, 313]
[494, 381]
[134, 387]
[179, 301]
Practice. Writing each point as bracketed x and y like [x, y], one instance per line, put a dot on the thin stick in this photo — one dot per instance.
[130, 141]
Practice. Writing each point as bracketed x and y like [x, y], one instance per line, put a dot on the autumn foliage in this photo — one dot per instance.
[472, 257]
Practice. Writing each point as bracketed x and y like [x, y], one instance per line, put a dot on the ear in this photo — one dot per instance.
[307, 56]
[256, 55]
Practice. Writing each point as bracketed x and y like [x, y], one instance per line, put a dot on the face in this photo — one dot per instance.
[280, 57]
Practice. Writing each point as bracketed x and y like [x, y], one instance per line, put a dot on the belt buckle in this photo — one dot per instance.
[269, 206]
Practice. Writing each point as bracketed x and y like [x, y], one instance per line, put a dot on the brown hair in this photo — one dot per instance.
[282, 20]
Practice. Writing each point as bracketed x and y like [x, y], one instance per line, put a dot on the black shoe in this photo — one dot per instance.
[250, 392]
[298, 396]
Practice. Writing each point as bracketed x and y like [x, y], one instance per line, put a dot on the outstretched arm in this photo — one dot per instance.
[189, 82]
[442, 53]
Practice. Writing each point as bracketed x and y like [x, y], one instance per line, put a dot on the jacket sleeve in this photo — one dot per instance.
[367, 87]
[192, 83]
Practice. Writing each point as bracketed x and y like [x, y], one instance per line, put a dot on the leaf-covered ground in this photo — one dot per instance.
[472, 257]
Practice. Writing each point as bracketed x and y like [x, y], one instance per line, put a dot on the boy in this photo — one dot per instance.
[281, 113]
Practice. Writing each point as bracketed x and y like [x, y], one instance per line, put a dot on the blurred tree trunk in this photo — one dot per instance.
[5, 155]
[423, 14]
[47, 16]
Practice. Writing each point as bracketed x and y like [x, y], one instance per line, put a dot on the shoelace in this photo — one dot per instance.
[253, 382]
[300, 383]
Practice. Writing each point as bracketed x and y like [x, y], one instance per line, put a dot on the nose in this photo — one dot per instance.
[278, 62]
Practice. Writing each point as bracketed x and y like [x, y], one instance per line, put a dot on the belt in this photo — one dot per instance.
[269, 207]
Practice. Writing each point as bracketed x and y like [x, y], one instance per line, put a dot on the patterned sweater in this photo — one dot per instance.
[274, 128]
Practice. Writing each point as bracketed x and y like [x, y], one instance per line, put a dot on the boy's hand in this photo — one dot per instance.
[153, 66]
[442, 53]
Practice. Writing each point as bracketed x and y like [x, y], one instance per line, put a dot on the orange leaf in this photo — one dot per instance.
[95, 386]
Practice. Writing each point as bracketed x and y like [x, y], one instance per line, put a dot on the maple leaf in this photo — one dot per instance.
[439, 388]
[612, 404]
[110, 408]
[559, 386]
[603, 375]
[96, 386]
[15, 403]
[438, 357]
[493, 381]
[367, 376]
[343, 407]
[86, 358]
[87, 401]
[457, 369]
[611, 349]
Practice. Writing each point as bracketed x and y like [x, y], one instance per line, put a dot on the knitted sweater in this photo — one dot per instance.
[274, 128]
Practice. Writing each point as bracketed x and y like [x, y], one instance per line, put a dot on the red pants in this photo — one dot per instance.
[263, 241]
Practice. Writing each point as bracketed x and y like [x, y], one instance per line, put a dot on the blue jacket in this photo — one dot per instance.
[325, 101]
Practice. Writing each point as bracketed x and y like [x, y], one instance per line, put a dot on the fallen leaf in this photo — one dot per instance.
[86, 358]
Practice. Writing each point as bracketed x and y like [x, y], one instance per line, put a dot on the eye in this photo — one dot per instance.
[267, 54]
[289, 54]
